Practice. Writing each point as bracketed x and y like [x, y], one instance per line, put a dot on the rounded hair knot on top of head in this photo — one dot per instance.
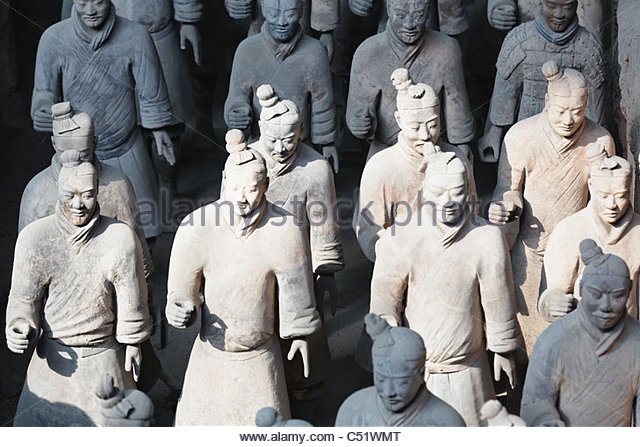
[394, 342]
[604, 166]
[598, 263]
[285, 112]
[240, 155]
[564, 82]
[413, 96]
[552, 71]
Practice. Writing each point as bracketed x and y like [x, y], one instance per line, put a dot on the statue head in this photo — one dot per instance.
[559, 13]
[398, 356]
[77, 188]
[92, 13]
[138, 407]
[566, 98]
[609, 184]
[418, 111]
[604, 286]
[245, 175]
[72, 132]
[408, 18]
[282, 17]
[280, 124]
[445, 186]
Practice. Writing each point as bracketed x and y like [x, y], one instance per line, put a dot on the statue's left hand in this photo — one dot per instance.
[133, 360]
[189, 33]
[329, 152]
[328, 41]
[300, 345]
[326, 284]
[164, 146]
[505, 362]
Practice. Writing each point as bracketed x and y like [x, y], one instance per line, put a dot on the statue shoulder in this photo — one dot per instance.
[512, 52]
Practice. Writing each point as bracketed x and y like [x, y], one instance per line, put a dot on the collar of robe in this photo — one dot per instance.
[56, 166]
[406, 53]
[554, 37]
[611, 233]
[602, 341]
[280, 50]
[446, 234]
[98, 39]
[402, 418]
[77, 237]
[414, 157]
[276, 168]
[244, 226]
[560, 144]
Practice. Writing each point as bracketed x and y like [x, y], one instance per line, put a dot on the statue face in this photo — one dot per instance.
[566, 114]
[418, 127]
[408, 18]
[559, 13]
[244, 189]
[280, 140]
[93, 13]
[611, 197]
[605, 299]
[397, 383]
[448, 193]
[282, 18]
[78, 196]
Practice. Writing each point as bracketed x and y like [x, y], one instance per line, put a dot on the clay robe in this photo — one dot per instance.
[84, 71]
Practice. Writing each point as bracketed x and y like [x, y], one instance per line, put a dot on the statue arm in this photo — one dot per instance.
[511, 175]
[505, 101]
[325, 15]
[47, 84]
[389, 282]
[187, 11]
[372, 215]
[362, 98]
[323, 113]
[238, 107]
[456, 109]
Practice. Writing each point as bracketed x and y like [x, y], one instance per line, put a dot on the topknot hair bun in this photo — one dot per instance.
[375, 325]
[589, 251]
[267, 96]
[70, 158]
[235, 141]
[552, 71]
[61, 110]
[400, 79]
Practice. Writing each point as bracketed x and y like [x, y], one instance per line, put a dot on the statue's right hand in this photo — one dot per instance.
[361, 125]
[361, 8]
[179, 313]
[239, 9]
[18, 336]
[240, 118]
[560, 304]
[42, 117]
[502, 212]
[503, 17]
[489, 145]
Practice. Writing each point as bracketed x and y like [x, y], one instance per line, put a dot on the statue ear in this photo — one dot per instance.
[396, 115]
[53, 142]
[421, 371]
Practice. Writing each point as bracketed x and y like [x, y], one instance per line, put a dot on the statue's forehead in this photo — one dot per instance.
[611, 183]
[74, 182]
[282, 5]
[412, 5]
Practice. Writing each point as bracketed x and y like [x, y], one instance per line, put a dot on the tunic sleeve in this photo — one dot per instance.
[457, 113]
[296, 303]
[186, 264]
[390, 279]
[28, 281]
[497, 294]
[132, 318]
[452, 17]
[130, 216]
[373, 211]
[325, 15]
[240, 87]
[363, 95]
[326, 244]
[323, 114]
[511, 173]
[47, 82]
[155, 108]
[187, 11]
[507, 89]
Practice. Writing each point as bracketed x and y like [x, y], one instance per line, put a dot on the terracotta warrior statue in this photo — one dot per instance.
[542, 178]
[609, 220]
[585, 368]
[429, 56]
[496, 415]
[505, 14]
[519, 89]
[123, 407]
[399, 397]
[452, 270]
[229, 244]
[75, 132]
[301, 183]
[295, 65]
[391, 184]
[318, 18]
[89, 267]
[108, 67]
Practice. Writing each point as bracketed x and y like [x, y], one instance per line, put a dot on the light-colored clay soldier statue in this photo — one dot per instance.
[90, 268]
[301, 183]
[505, 14]
[496, 415]
[75, 131]
[122, 407]
[391, 184]
[297, 68]
[542, 178]
[609, 220]
[585, 368]
[520, 87]
[430, 57]
[244, 248]
[399, 397]
[104, 65]
[453, 268]
[318, 18]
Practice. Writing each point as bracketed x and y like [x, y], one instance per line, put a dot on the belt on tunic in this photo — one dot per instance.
[239, 355]
[79, 351]
[441, 368]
